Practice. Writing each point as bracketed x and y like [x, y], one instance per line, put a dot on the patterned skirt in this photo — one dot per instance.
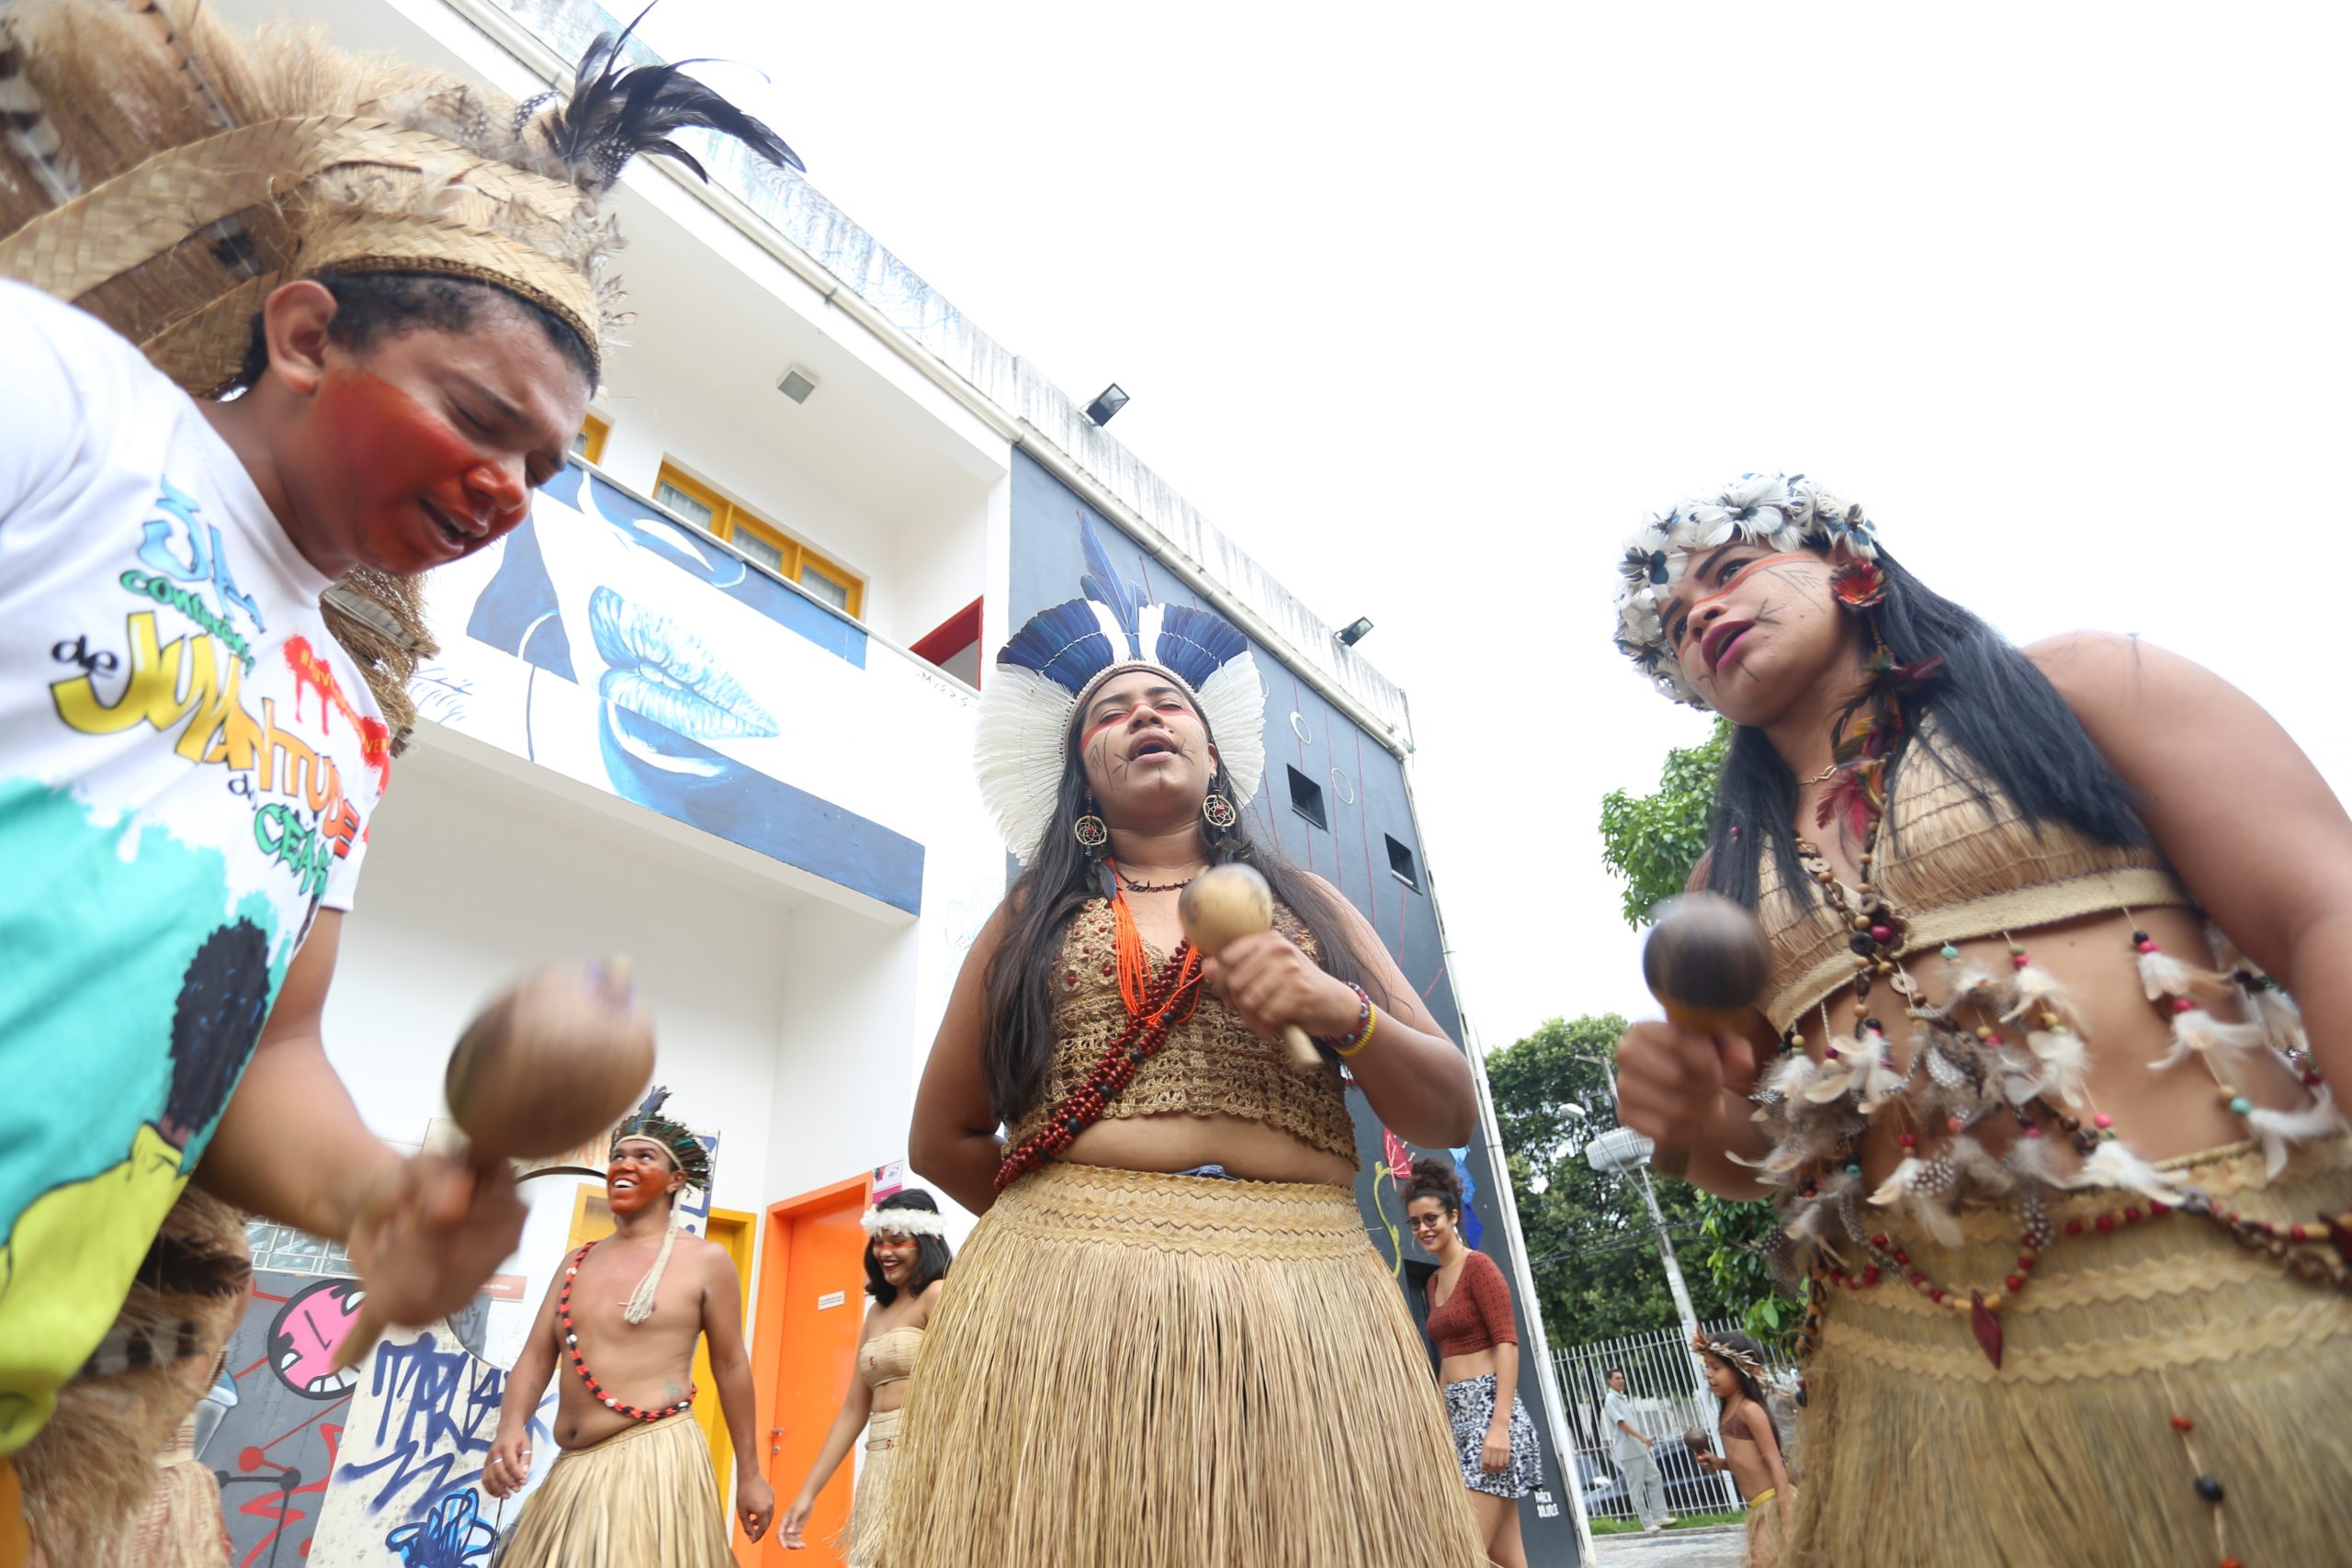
[1471, 1405]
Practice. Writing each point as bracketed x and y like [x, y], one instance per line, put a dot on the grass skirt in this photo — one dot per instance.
[1137, 1370]
[1766, 1535]
[860, 1542]
[89, 1475]
[641, 1497]
[1918, 1451]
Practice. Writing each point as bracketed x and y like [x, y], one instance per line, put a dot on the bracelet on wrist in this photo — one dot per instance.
[1367, 1018]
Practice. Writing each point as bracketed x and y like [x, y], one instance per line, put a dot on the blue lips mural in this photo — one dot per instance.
[596, 596]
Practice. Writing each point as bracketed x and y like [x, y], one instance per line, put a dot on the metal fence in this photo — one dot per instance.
[1665, 1388]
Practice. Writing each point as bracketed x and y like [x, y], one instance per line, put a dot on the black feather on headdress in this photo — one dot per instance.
[685, 1150]
[616, 112]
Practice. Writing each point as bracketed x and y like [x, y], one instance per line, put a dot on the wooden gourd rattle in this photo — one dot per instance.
[1228, 902]
[545, 1068]
[1705, 961]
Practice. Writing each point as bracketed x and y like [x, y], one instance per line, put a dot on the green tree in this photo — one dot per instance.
[1652, 841]
[1589, 1245]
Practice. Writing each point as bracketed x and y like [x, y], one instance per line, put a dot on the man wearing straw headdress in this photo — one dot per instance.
[635, 1483]
[207, 610]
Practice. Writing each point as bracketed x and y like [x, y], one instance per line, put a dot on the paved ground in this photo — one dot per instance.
[1672, 1549]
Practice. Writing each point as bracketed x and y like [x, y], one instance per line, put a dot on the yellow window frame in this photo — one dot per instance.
[727, 517]
[592, 431]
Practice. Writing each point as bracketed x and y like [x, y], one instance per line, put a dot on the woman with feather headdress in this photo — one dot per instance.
[1168, 1341]
[2060, 1172]
[208, 609]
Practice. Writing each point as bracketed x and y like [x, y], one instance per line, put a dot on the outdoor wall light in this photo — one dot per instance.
[1355, 631]
[1110, 401]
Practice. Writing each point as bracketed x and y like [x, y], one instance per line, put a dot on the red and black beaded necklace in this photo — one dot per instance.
[579, 1364]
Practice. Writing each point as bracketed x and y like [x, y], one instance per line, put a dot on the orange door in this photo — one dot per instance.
[812, 1301]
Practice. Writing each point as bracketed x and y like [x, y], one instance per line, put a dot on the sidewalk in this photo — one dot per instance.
[1717, 1546]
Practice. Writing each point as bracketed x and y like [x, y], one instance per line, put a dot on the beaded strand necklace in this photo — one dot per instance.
[1877, 935]
[579, 1364]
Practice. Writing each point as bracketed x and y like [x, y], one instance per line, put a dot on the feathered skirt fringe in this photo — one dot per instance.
[1918, 1451]
[1136, 1370]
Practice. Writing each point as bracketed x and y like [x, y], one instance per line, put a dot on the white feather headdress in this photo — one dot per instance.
[1051, 665]
[903, 1222]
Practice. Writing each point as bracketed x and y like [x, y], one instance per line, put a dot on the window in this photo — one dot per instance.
[589, 441]
[760, 540]
[1306, 797]
[1400, 864]
[289, 1251]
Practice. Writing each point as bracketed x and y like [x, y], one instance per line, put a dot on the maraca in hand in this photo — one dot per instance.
[546, 1066]
[1225, 903]
[1706, 963]
[553, 1062]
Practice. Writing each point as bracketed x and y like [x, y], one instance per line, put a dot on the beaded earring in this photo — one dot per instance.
[1219, 813]
[1091, 830]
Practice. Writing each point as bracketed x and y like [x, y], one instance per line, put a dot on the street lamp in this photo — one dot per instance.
[1621, 1151]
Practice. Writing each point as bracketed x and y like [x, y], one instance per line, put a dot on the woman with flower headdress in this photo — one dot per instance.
[907, 1257]
[210, 605]
[1169, 1342]
[2058, 1168]
[1734, 1368]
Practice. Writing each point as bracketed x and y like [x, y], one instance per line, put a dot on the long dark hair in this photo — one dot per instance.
[1992, 708]
[932, 1254]
[1019, 1045]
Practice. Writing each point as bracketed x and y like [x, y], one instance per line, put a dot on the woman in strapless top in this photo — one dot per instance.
[906, 1270]
[2059, 1175]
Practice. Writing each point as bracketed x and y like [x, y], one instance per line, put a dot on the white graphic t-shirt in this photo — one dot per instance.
[187, 762]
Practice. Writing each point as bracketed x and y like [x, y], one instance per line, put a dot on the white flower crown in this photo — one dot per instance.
[1785, 510]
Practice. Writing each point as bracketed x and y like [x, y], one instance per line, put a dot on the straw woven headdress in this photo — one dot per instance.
[167, 174]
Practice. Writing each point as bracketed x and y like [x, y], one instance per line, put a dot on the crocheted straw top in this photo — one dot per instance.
[1210, 1066]
[1957, 860]
[889, 1356]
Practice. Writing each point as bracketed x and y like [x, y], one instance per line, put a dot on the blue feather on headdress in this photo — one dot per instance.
[1196, 644]
[1064, 644]
[1105, 585]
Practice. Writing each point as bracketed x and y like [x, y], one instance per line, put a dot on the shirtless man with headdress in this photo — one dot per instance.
[635, 1483]
[208, 609]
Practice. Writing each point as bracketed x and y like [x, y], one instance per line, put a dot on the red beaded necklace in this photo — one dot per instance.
[1168, 999]
[580, 1365]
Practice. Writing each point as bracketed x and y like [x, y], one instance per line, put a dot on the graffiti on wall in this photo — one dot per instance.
[277, 1442]
[407, 1477]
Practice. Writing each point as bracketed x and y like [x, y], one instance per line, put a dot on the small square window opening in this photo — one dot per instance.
[1307, 798]
[1401, 867]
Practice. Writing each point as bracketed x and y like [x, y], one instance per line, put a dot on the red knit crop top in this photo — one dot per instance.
[1477, 1315]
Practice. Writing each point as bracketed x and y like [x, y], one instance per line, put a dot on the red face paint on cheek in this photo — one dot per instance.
[394, 455]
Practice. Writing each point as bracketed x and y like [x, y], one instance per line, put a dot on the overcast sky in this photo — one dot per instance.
[1425, 306]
